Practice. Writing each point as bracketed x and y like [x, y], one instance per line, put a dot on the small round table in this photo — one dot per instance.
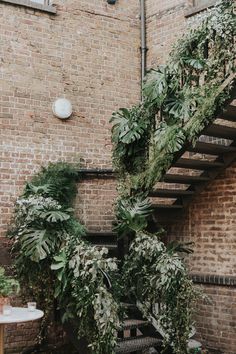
[18, 314]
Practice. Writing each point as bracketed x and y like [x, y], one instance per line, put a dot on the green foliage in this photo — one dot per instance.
[155, 274]
[132, 214]
[57, 181]
[130, 135]
[156, 86]
[179, 100]
[40, 225]
[54, 262]
[8, 285]
[178, 95]
[81, 292]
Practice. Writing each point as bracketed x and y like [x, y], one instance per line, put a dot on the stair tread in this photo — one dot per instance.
[170, 193]
[220, 131]
[134, 323]
[167, 206]
[137, 343]
[110, 246]
[197, 164]
[229, 113]
[101, 233]
[174, 178]
[128, 305]
[211, 149]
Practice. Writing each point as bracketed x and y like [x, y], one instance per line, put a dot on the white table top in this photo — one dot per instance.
[21, 314]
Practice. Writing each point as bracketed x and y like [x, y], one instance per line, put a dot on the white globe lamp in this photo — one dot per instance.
[62, 108]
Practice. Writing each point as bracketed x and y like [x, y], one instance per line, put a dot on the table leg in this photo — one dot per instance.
[1, 338]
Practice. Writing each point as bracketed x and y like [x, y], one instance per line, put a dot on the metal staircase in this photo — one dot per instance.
[197, 166]
[193, 169]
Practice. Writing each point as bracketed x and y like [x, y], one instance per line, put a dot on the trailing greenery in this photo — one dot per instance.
[131, 136]
[179, 100]
[155, 274]
[8, 285]
[54, 262]
[132, 214]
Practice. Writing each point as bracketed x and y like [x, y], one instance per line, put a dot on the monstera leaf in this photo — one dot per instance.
[54, 216]
[156, 86]
[128, 125]
[32, 189]
[37, 244]
[182, 106]
[169, 138]
[132, 214]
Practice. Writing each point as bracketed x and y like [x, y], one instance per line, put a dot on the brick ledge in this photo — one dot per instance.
[196, 9]
[32, 5]
[221, 280]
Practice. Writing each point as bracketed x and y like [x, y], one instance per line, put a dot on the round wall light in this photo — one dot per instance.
[62, 108]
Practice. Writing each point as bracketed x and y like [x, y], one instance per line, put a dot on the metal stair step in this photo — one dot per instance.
[167, 206]
[170, 193]
[220, 131]
[197, 164]
[137, 343]
[101, 233]
[211, 149]
[229, 113]
[102, 239]
[110, 246]
[129, 306]
[134, 323]
[184, 179]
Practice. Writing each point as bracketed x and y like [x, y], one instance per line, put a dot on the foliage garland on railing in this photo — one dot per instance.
[53, 261]
[179, 100]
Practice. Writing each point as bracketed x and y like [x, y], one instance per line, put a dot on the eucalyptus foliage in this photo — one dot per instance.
[179, 100]
[57, 267]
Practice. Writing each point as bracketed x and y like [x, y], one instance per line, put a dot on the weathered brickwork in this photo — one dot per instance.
[210, 221]
[95, 204]
[89, 52]
[165, 24]
[216, 321]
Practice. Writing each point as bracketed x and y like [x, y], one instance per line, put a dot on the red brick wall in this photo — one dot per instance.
[216, 322]
[210, 221]
[90, 53]
[165, 24]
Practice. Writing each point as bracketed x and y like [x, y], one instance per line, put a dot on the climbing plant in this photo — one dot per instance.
[55, 263]
[179, 100]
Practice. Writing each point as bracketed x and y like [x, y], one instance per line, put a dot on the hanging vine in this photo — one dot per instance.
[180, 99]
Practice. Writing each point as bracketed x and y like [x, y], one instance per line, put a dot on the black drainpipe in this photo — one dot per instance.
[143, 44]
